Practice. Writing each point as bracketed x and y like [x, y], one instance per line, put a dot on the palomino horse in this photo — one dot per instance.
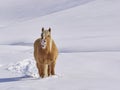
[45, 53]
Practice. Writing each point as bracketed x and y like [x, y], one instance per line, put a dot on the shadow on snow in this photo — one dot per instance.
[13, 79]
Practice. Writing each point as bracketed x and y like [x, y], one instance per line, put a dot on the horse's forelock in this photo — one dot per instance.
[42, 35]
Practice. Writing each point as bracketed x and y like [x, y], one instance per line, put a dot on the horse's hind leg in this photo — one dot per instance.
[49, 70]
[53, 69]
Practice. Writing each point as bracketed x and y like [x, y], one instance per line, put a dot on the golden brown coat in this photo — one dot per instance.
[45, 58]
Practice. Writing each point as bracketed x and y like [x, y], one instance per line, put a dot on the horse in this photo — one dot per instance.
[45, 54]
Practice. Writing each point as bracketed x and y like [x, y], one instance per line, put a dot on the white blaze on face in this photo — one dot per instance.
[43, 43]
[45, 34]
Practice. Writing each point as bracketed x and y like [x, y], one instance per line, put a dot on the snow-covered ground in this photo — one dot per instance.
[87, 35]
[12, 11]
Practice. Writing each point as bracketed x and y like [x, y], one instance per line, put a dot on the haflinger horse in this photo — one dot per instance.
[45, 54]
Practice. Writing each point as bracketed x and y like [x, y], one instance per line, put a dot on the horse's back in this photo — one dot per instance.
[54, 50]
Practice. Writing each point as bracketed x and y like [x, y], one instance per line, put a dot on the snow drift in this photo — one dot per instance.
[26, 67]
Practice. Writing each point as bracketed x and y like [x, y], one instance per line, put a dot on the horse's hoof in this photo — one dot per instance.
[42, 76]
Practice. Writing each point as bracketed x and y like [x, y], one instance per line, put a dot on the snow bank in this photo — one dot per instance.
[26, 67]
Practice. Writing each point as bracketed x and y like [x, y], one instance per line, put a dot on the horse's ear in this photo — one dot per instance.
[42, 29]
[49, 29]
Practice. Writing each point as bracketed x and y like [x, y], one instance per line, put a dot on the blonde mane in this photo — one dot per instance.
[50, 44]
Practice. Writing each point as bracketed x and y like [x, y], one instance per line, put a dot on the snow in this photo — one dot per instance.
[13, 11]
[87, 35]
[88, 71]
[26, 67]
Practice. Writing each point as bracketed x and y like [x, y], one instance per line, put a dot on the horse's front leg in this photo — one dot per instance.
[49, 69]
[41, 71]
[38, 67]
[44, 70]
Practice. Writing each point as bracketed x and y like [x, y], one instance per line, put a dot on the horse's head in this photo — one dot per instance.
[45, 37]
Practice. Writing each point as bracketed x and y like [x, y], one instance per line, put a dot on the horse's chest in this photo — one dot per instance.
[45, 58]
